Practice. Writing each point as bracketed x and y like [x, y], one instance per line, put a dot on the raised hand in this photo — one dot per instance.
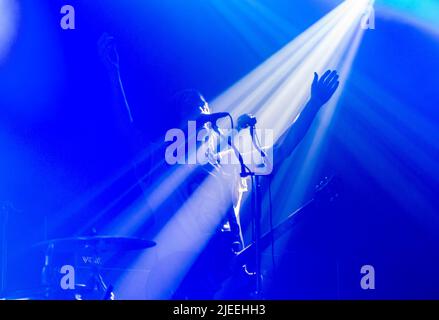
[323, 89]
[110, 57]
[108, 52]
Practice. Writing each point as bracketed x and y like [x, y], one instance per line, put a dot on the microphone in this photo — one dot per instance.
[245, 121]
[204, 118]
[212, 117]
[249, 120]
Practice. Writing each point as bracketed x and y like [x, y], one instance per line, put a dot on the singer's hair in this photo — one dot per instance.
[185, 103]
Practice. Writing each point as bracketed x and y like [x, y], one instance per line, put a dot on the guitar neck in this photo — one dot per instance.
[277, 231]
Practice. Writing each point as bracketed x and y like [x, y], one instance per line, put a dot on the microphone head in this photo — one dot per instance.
[212, 117]
[245, 121]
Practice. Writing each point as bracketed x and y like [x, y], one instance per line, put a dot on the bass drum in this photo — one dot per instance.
[83, 271]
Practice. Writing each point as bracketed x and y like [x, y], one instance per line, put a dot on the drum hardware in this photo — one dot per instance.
[84, 257]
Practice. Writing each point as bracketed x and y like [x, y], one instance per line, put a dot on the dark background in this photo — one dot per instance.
[58, 137]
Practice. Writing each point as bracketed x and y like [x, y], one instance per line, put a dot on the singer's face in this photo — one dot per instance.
[191, 111]
[190, 105]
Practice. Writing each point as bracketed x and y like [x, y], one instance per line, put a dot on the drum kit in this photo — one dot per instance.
[72, 267]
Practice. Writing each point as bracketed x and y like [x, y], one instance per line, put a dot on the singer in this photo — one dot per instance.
[207, 277]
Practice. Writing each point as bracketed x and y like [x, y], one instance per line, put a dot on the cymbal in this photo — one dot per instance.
[98, 244]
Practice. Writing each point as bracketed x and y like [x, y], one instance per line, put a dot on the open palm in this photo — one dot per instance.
[324, 88]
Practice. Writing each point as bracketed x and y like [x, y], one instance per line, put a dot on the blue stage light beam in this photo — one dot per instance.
[9, 17]
[275, 92]
[273, 70]
[249, 95]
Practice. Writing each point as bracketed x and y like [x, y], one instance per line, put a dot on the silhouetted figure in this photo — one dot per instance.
[211, 267]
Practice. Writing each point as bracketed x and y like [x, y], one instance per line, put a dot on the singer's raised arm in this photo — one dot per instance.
[110, 57]
[322, 90]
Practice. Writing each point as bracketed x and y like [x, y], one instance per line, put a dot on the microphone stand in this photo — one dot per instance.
[256, 208]
[257, 213]
[257, 216]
